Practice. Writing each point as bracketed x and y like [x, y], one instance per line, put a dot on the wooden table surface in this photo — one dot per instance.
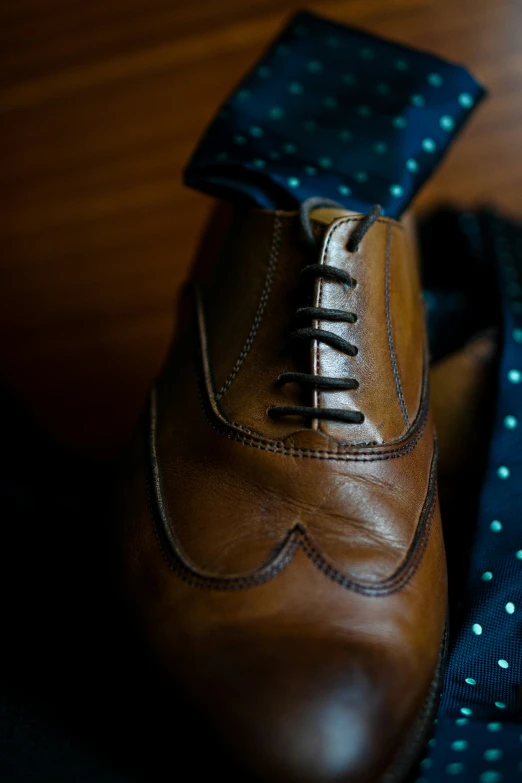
[102, 102]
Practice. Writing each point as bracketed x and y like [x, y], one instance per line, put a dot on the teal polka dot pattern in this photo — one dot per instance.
[446, 122]
[455, 768]
[435, 79]
[484, 672]
[491, 776]
[369, 104]
[418, 100]
[314, 66]
[459, 745]
[466, 100]
[428, 145]
[396, 191]
[331, 102]
[400, 122]
[333, 41]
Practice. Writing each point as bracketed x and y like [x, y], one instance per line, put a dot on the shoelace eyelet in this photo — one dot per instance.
[338, 276]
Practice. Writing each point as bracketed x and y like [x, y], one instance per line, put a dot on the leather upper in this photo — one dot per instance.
[250, 303]
[298, 559]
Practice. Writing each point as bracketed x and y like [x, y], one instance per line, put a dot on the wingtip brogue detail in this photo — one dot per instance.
[283, 552]
[289, 571]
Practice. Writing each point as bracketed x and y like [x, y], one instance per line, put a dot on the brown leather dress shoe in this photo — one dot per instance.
[284, 544]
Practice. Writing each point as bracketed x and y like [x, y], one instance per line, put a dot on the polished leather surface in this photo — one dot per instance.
[291, 578]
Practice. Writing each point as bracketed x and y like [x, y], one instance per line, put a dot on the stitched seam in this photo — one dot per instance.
[297, 538]
[256, 440]
[278, 447]
[391, 345]
[274, 257]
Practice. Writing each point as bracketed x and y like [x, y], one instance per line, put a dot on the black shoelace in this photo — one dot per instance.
[304, 334]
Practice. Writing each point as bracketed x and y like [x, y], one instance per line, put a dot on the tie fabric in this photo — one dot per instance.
[478, 735]
[333, 111]
[451, 298]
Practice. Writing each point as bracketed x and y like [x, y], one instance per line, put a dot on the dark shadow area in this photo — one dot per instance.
[79, 699]
[462, 304]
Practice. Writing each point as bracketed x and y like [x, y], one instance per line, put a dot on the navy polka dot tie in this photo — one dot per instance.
[335, 112]
[478, 737]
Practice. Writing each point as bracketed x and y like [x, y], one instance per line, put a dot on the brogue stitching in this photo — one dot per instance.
[267, 287]
[296, 538]
[391, 344]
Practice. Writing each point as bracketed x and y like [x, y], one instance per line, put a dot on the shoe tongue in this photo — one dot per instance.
[327, 215]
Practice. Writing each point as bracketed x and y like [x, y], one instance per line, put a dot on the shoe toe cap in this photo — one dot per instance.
[293, 712]
[323, 739]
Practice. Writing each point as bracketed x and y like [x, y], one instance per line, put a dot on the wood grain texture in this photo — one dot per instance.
[101, 104]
